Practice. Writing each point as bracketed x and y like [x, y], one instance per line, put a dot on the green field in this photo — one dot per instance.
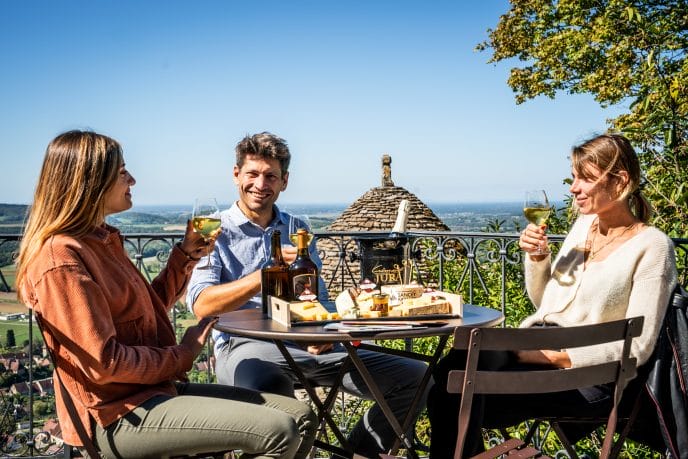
[8, 273]
[21, 332]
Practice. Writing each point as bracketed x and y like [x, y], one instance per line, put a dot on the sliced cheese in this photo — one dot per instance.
[426, 304]
[307, 311]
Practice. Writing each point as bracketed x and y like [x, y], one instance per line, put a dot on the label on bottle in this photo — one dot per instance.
[305, 287]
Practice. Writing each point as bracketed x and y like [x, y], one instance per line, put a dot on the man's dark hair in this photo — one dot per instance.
[264, 145]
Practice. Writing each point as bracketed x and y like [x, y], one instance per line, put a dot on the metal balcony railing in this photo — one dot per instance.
[483, 267]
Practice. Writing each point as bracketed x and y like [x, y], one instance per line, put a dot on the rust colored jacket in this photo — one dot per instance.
[107, 325]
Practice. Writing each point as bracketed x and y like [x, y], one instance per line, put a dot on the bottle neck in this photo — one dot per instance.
[302, 244]
[277, 252]
[276, 248]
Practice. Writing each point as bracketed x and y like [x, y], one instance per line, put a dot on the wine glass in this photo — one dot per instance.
[206, 221]
[297, 222]
[536, 209]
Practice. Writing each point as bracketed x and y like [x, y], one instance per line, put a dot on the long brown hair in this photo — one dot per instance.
[613, 153]
[78, 169]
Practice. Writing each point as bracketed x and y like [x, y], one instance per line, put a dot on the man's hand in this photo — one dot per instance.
[317, 349]
[289, 254]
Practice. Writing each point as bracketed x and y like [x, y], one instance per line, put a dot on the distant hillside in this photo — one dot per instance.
[12, 214]
[458, 216]
[140, 218]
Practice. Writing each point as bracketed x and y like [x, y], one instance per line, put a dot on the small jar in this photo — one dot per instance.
[380, 303]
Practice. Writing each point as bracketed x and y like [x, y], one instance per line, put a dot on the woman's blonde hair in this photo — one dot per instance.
[612, 153]
[78, 169]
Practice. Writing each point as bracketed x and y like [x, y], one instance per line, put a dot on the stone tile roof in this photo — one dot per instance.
[375, 210]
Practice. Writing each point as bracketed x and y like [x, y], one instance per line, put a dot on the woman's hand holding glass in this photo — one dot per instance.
[194, 244]
[206, 222]
[536, 209]
[532, 241]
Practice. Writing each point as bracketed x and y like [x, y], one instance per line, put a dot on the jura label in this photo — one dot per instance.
[384, 275]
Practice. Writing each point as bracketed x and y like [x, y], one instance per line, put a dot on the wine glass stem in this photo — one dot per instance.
[208, 264]
[541, 251]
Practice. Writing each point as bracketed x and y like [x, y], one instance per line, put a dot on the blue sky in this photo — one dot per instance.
[180, 83]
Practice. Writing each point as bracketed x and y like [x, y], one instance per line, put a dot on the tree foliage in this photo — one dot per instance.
[629, 53]
[10, 339]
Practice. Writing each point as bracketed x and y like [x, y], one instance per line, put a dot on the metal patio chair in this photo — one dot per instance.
[475, 381]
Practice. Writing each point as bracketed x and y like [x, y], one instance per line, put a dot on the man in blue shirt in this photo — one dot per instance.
[233, 282]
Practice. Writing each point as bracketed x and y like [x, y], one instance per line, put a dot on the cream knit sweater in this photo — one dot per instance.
[636, 279]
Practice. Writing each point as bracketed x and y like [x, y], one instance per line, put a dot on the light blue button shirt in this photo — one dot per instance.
[241, 249]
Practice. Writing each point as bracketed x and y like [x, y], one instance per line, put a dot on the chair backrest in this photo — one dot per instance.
[475, 381]
[86, 441]
[666, 390]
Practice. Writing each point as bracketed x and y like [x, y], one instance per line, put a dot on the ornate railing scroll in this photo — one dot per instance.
[341, 251]
[476, 253]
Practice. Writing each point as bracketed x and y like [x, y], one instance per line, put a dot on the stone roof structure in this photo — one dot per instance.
[376, 210]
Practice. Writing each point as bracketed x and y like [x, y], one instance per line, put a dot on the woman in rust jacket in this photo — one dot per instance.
[120, 362]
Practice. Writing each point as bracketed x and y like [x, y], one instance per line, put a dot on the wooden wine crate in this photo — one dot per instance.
[288, 312]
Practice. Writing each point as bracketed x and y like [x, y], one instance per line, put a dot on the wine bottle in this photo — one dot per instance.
[398, 240]
[402, 218]
[303, 272]
[274, 276]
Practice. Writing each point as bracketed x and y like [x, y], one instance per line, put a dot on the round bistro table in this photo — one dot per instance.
[252, 324]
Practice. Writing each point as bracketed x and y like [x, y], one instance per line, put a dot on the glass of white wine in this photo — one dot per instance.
[537, 209]
[206, 221]
[297, 222]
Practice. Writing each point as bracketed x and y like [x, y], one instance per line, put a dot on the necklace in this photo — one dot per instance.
[593, 252]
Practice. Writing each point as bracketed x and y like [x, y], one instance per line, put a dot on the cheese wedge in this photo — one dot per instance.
[426, 304]
[308, 311]
[415, 303]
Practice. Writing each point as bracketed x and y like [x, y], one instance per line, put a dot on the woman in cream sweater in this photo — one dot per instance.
[612, 265]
